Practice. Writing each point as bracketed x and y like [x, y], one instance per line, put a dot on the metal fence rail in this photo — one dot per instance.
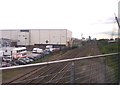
[90, 69]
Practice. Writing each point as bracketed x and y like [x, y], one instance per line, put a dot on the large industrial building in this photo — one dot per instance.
[38, 36]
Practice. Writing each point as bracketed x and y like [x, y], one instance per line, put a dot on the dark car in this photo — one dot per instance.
[36, 58]
[46, 52]
[32, 58]
[26, 60]
[20, 62]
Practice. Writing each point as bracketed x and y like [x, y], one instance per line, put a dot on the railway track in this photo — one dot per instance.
[48, 71]
[58, 73]
[41, 71]
[46, 76]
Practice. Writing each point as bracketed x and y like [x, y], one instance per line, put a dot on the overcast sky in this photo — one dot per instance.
[87, 17]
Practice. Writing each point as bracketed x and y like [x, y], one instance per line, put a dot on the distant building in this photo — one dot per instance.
[39, 36]
[76, 42]
[4, 42]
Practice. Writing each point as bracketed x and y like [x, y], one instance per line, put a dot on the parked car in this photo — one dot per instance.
[51, 49]
[32, 58]
[5, 64]
[34, 50]
[13, 63]
[7, 58]
[35, 57]
[20, 62]
[46, 52]
[29, 59]
[40, 51]
[37, 50]
[49, 46]
[56, 49]
[25, 60]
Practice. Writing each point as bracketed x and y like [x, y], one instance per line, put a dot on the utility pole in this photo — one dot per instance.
[118, 48]
[117, 22]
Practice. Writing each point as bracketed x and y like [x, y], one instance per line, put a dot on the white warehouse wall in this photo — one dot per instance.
[38, 36]
[57, 36]
[23, 38]
[44, 35]
[34, 37]
[53, 36]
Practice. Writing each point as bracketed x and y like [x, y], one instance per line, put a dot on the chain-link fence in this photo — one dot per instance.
[91, 69]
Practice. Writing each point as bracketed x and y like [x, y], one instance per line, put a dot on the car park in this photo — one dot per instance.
[36, 54]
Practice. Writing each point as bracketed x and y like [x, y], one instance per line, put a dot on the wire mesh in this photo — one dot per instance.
[94, 70]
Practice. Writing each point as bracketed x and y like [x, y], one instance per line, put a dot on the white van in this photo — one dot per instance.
[17, 52]
[37, 50]
[34, 50]
[49, 46]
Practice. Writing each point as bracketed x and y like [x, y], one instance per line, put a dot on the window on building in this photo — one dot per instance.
[24, 30]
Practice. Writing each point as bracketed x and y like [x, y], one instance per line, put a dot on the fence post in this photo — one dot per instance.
[118, 67]
[105, 68]
[72, 75]
[119, 54]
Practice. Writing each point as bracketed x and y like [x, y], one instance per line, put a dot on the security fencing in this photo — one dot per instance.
[91, 69]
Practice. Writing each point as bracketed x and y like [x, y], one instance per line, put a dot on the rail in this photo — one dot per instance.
[91, 69]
